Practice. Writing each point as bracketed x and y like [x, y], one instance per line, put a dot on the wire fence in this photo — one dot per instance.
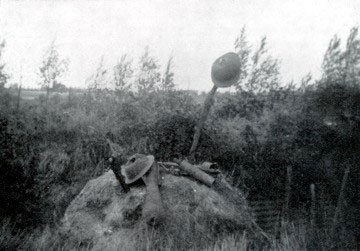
[270, 214]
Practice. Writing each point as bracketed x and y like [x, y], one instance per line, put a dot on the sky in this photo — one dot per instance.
[195, 32]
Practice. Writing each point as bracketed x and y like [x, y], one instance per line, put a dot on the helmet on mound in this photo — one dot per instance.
[136, 167]
[225, 71]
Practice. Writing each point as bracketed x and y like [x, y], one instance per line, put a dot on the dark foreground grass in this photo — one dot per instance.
[291, 237]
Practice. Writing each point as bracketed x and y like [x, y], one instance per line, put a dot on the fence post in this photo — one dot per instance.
[322, 208]
[313, 206]
[287, 192]
[18, 99]
[70, 95]
[340, 200]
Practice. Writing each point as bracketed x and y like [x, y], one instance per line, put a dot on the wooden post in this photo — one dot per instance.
[340, 200]
[205, 112]
[18, 98]
[313, 207]
[287, 192]
[70, 95]
[88, 101]
[322, 209]
[47, 96]
[19, 91]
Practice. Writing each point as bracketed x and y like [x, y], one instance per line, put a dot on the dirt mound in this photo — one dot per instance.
[102, 213]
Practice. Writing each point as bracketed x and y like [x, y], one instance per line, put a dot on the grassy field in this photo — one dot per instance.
[295, 144]
[65, 147]
[31, 94]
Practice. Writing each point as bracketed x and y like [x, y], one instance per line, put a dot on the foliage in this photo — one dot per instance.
[172, 135]
[342, 66]
[167, 81]
[52, 69]
[99, 79]
[259, 82]
[148, 76]
[259, 71]
[17, 165]
[3, 75]
[123, 72]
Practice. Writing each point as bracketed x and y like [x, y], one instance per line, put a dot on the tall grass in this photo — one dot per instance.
[69, 148]
[291, 238]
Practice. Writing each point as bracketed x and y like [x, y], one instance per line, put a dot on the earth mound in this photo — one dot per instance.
[103, 216]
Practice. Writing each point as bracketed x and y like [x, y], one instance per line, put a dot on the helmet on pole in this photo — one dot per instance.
[225, 71]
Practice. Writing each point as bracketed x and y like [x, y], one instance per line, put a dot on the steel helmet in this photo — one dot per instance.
[136, 166]
[225, 71]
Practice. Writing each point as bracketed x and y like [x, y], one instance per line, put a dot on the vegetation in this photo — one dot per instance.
[51, 70]
[51, 147]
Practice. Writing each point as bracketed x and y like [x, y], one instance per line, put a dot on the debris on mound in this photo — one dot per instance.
[103, 213]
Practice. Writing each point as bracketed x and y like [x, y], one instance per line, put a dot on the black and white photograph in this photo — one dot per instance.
[212, 125]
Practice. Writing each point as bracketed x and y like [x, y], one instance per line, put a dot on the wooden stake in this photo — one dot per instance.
[287, 192]
[19, 91]
[18, 98]
[313, 209]
[205, 112]
[340, 200]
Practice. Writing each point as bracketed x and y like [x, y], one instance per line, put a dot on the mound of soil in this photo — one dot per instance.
[102, 216]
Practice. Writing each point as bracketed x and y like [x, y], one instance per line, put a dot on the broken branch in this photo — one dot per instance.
[195, 172]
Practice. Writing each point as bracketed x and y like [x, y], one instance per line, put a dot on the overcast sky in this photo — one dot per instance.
[194, 32]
